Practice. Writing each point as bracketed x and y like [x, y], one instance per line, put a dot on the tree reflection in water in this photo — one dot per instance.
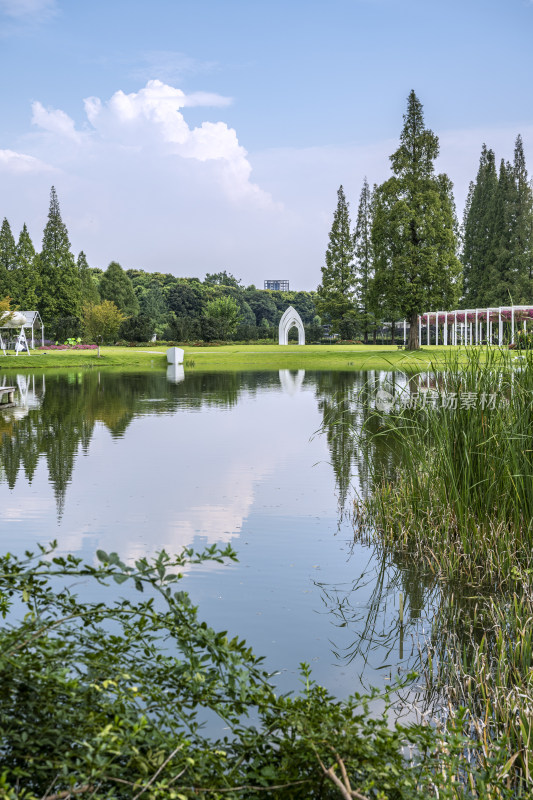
[382, 639]
[444, 626]
[56, 419]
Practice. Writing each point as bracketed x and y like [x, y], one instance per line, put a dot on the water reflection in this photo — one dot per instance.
[291, 383]
[138, 462]
[175, 373]
[55, 416]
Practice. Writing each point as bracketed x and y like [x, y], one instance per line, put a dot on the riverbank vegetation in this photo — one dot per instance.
[452, 493]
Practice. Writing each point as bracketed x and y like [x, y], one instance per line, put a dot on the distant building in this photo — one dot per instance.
[277, 286]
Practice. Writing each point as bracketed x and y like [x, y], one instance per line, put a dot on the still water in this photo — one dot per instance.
[266, 461]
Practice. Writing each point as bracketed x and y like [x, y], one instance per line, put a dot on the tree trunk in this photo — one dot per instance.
[375, 336]
[412, 342]
[393, 332]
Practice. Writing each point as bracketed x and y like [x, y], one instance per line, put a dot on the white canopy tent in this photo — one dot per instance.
[25, 323]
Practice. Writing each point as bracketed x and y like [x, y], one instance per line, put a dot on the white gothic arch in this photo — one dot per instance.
[291, 319]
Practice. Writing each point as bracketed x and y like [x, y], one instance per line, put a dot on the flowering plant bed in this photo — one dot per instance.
[69, 347]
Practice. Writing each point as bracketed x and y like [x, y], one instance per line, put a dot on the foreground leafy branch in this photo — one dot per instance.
[123, 697]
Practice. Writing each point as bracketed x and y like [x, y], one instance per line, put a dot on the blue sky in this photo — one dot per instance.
[196, 136]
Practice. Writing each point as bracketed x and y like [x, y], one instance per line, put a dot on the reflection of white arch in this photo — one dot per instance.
[291, 383]
[291, 319]
[175, 373]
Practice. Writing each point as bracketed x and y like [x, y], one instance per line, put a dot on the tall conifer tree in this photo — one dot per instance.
[522, 237]
[8, 259]
[363, 260]
[498, 233]
[414, 230]
[336, 293]
[478, 231]
[500, 274]
[89, 288]
[60, 280]
[26, 288]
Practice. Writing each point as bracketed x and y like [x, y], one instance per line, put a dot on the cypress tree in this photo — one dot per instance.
[414, 230]
[89, 287]
[26, 285]
[60, 280]
[500, 284]
[8, 260]
[363, 259]
[116, 286]
[336, 293]
[498, 233]
[522, 236]
[478, 231]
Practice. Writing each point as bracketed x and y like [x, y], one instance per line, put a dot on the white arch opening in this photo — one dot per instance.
[291, 319]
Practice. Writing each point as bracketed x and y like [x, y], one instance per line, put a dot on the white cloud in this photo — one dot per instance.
[20, 162]
[37, 9]
[137, 183]
[152, 118]
[55, 121]
[207, 99]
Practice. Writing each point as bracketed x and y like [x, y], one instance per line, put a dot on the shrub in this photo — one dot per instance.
[102, 320]
[63, 328]
[137, 329]
[106, 699]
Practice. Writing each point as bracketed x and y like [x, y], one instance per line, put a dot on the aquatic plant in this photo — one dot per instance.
[459, 496]
[456, 498]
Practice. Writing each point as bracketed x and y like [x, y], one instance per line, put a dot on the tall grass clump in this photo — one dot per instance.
[456, 495]
[481, 659]
[460, 494]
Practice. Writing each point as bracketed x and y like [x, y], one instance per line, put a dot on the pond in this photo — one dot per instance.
[134, 462]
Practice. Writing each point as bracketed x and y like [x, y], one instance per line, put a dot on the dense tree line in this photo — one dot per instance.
[60, 286]
[407, 253]
[498, 232]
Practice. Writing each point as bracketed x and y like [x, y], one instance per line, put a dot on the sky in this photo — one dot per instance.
[193, 136]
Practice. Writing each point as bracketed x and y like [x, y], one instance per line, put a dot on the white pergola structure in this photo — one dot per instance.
[24, 322]
[473, 325]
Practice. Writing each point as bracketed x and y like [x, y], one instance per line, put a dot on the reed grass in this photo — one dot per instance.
[480, 659]
[457, 497]
[460, 496]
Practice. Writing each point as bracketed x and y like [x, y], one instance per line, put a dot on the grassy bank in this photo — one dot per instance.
[457, 498]
[242, 358]
[110, 357]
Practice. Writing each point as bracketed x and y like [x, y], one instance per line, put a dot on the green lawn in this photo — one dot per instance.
[238, 357]
[110, 357]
